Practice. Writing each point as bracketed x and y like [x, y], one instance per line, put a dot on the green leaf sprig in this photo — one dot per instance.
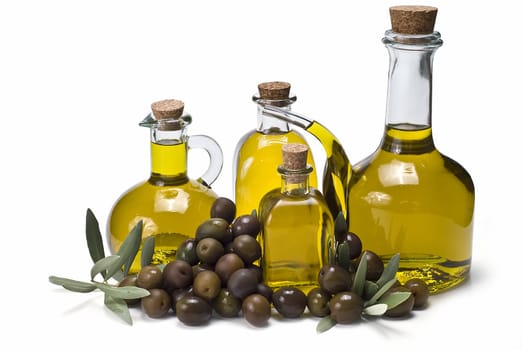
[374, 294]
[112, 267]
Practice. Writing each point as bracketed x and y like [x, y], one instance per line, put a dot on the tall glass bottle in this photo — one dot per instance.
[258, 152]
[297, 230]
[407, 197]
[170, 204]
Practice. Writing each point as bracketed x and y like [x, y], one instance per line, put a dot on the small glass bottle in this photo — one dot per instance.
[170, 204]
[407, 197]
[258, 152]
[297, 230]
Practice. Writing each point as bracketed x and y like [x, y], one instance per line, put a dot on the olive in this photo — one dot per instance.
[257, 270]
[345, 307]
[214, 228]
[226, 304]
[209, 250]
[318, 302]
[242, 282]
[157, 304]
[256, 310]
[149, 277]
[226, 265]
[129, 280]
[187, 251]
[224, 208]
[193, 310]
[419, 290]
[207, 285]
[290, 302]
[375, 265]
[247, 247]
[178, 294]
[177, 274]
[246, 225]
[264, 290]
[334, 279]
[402, 309]
[354, 241]
[196, 269]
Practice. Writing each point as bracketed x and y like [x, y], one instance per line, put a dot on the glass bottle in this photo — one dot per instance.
[337, 170]
[170, 204]
[258, 152]
[297, 230]
[407, 197]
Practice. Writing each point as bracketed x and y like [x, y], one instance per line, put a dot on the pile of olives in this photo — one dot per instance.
[217, 274]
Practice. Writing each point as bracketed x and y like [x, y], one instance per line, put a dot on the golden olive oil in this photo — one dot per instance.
[257, 157]
[297, 239]
[170, 205]
[408, 198]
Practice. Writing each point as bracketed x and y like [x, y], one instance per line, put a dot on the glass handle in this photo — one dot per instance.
[215, 157]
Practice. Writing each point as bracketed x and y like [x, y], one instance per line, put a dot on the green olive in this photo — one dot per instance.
[226, 304]
[187, 251]
[419, 290]
[177, 274]
[223, 208]
[290, 302]
[209, 250]
[334, 279]
[192, 310]
[346, 307]
[149, 277]
[318, 302]
[216, 228]
[157, 304]
[256, 310]
[207, 285]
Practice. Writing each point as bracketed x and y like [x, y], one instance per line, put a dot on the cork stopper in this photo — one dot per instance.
[294, 156]
[274, 90]
[413, 19]
[167, 109]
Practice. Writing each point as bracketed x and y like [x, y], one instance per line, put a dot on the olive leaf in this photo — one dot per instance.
[340, 225]
[370, 289]
[254, 213]
[359, 277]
[127, 251]
[389, 272]
[344, 255]
[325, 324]
[102, 265]
[72, 285]
[380, 292]
[126, 292]
[375, 310]
[119, 307]
[394, 299]
[94, 237]
[147, 251]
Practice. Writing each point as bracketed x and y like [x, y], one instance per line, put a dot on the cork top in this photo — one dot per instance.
[294, 156]
[167, 109]
[413, 19]
[274, 90]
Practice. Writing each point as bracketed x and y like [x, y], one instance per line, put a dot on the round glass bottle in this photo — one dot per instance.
[407, 197]
[258, 152]
[170, 204]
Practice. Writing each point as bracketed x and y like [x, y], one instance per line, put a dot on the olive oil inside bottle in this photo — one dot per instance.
[408, 198]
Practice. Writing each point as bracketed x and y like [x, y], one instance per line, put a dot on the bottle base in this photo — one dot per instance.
[439, 274]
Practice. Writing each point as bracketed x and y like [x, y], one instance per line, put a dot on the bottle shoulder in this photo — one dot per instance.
[386, 169]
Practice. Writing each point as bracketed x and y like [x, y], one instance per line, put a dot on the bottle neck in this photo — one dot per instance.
[268, 124]
[295, 183]
[168, 157]
[409, 92]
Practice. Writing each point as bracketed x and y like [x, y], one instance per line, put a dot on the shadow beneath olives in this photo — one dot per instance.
[384, 325]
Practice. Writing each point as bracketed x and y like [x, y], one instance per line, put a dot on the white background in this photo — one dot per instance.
[76, 77]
